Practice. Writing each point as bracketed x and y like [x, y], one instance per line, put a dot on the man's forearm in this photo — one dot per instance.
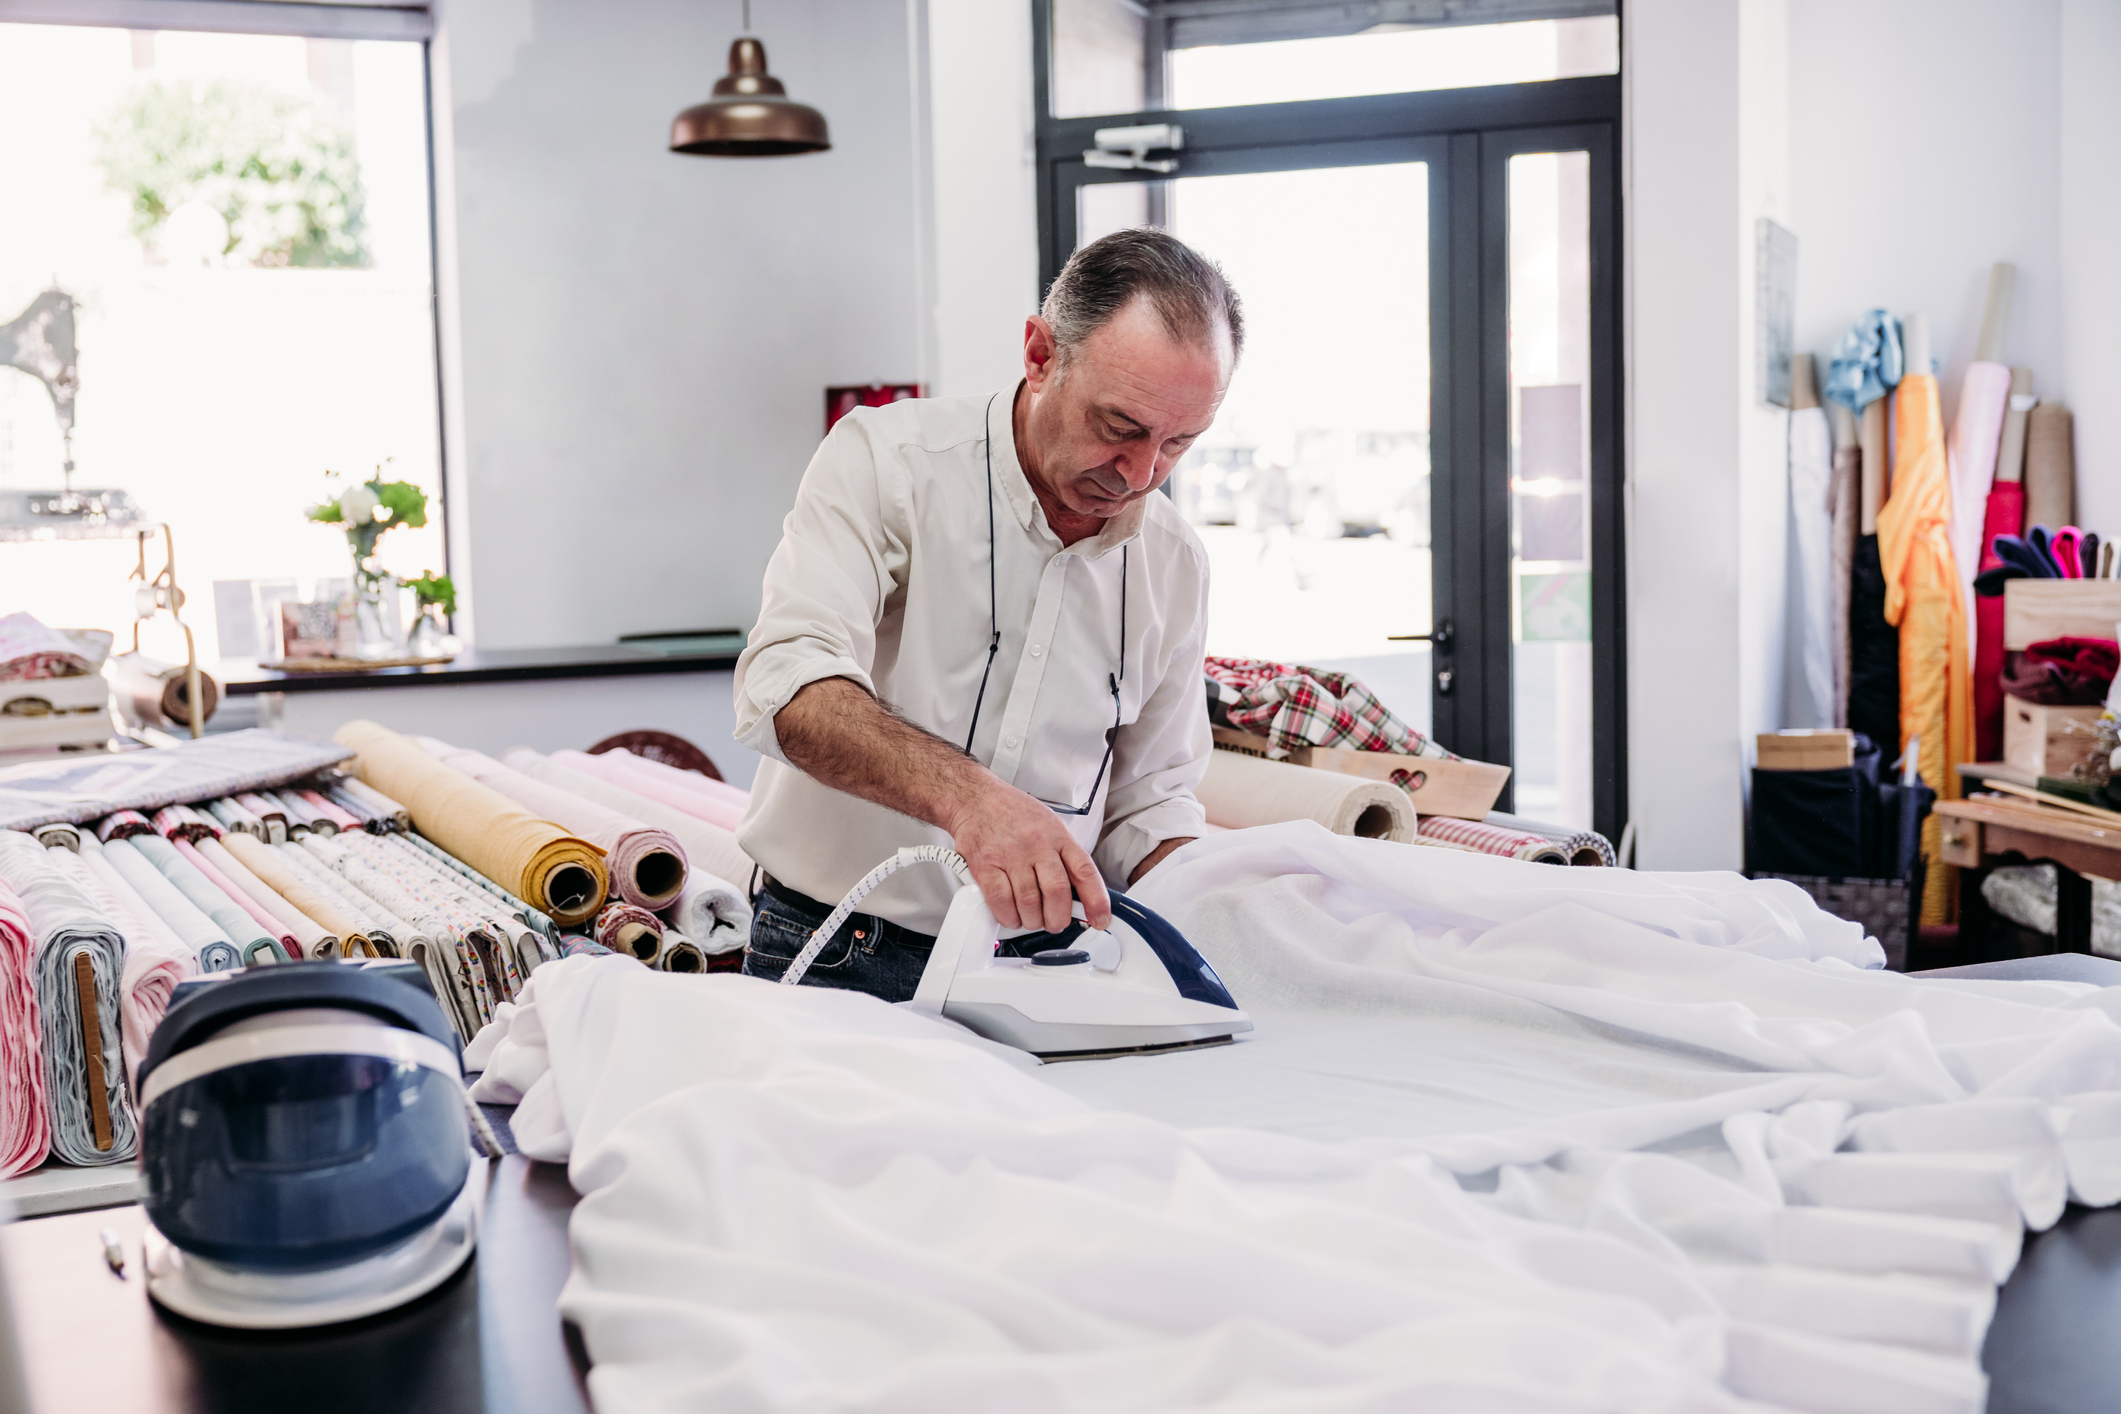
[840, 736]
[1157, 856]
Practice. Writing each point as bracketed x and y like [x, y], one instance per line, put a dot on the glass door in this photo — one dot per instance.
[1311, 493]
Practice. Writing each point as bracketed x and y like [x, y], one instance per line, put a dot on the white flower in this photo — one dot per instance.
[357, 504]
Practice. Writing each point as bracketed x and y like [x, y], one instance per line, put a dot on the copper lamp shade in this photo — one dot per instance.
[750, 114]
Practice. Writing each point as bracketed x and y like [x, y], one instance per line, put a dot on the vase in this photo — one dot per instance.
[375, 616]
[428, 638]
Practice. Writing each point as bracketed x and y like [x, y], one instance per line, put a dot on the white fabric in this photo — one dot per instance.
[882, 577]
[1706, 1161]
[1808, 673]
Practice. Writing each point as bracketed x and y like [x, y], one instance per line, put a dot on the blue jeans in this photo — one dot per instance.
[868, 954]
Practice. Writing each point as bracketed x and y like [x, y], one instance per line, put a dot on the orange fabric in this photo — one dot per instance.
[1923, 598]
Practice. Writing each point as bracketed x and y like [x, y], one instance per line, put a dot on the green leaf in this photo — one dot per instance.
[432, 588]
[407, 502]
[326, 513]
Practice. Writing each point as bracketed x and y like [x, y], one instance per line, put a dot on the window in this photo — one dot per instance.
[1415, 474]
[244, 223]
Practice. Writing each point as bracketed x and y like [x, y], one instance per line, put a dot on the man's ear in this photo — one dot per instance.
[1040, 361]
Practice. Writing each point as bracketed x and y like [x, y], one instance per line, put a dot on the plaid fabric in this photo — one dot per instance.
[1298, 706]
[1492, 839]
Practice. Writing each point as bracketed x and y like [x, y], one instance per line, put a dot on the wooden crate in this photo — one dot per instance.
[2035, 610]
[1458, 790]
[2047, 740]
[1817, 749]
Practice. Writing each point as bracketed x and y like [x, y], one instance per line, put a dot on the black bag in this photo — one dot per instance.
[1819, 823]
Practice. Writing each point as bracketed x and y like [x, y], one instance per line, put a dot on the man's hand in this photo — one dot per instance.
[1025, 862]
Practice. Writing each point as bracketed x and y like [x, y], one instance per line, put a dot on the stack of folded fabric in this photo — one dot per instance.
[51, 694]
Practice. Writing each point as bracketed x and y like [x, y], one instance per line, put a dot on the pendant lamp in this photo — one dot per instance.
[750, 114]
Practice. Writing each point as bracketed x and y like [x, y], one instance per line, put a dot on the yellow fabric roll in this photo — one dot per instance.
[276, 874]
[1922, 598]
[1240, 791]
[540, 863]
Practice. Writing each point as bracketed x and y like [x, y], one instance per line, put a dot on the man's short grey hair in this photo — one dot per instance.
[1185, 288]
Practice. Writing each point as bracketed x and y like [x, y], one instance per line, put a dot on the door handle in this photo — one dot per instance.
[1440, 637]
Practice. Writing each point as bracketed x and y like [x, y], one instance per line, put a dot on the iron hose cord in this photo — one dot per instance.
[911, 854]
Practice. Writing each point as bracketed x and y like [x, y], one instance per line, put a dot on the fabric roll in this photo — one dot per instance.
[341, 818]
[372, 820]
[624, 770]
[80, 958]
[301, 819]
[575, 945]
[379, 929]
[181, 822]
[266, 812]
[251, 941]
[680, 954]
[155, 962]
[1582, 848]
[284, 942]
[441, 943]
[630, 929]
[473, 882]
[647, 865]
[156, 693]
[287, 880]
[2050, 466]
[60, 836]
[1924, 599]
[385, 808]
[1498, 840]
[123, 824]
[2010, 445]
[211, 948]
[512, 921]
[25, 1114]
[698, 783]
[1242, 791]
[1977, 431]
[713, 913]
[234, 817]
[2006, 516]
[710, 850]
[1847, 489]
[304, 934]
[559, 874]
[1808, 672]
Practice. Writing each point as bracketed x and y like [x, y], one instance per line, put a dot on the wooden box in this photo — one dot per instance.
[1823, 749]
[2047, 740]
[1458, 790]
[2035, 610]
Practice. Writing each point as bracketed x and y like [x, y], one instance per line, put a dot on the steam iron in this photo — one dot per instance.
[305, 1150]
[1138, 988]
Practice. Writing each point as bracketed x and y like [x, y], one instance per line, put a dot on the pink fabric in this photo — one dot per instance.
[1971, 455]
[627, 772]
[182, 822]
[2006, 516]
[155, 960]
[25, 1120]
[691, 780]
[272, 926]
[337, 814]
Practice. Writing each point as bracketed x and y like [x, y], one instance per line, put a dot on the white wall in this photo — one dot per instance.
[2089, 226]
[644, 338]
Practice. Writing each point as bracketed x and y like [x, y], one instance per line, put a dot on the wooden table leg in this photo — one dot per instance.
[2073, 911]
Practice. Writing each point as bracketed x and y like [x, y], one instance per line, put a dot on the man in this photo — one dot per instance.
[984, 627]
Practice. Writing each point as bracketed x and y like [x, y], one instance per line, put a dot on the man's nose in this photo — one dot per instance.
[1139, 469]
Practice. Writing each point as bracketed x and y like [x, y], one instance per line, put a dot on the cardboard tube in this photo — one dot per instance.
[1915, 344]
[1804, 384]
[1875, 473]
[2050, 467]
[1242, 791]
[92, 1050]
[1996, 312]
[2010, 450]
[1844, 424]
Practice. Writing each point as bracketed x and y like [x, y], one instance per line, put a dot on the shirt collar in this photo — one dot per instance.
[1022, 501]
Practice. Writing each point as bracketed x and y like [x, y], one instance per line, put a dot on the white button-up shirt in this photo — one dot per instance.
[882, 577]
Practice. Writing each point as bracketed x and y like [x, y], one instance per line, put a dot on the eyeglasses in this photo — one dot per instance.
[994, 646]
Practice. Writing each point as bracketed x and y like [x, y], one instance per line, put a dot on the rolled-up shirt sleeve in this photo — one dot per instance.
[841, 558]
[1159, 758]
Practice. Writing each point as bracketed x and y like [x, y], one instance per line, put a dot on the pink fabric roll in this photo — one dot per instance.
[1971, 455]
[155, 960]
[25, 1119]
[690, 780]
[338, 814]
[628, 771]
[175, 822]
[271, 925]
[123, 824]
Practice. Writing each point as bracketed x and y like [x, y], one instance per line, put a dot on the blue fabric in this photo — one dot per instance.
[1867, 362]
[2015, 551]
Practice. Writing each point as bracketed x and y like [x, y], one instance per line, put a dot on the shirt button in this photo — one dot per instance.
[1037, 649]
[1009, 741]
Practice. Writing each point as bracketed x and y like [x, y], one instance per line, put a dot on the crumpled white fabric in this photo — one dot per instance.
[1500, 1141]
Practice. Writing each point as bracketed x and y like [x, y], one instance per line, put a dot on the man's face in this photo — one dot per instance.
[1107, 430]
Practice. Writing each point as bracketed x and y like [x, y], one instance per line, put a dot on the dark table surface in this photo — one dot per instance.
[694, 654]
[491, 1338]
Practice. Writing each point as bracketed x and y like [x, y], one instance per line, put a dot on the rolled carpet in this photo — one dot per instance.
[280, 875]
[309, 937]
[647, 865]
[25, 1115]
[252, 942]
[714, 908]
[79, 960]
[555, 872]
[211, 948]
[155, 962]
[1241, 791]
